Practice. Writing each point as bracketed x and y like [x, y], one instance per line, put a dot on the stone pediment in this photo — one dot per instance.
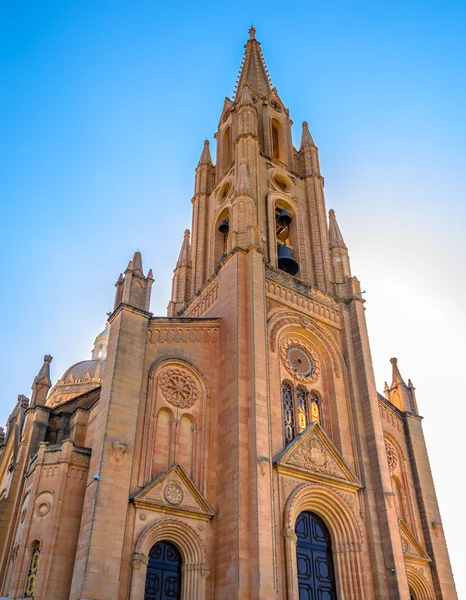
[175, 492]
[312, 452]
[412, 549]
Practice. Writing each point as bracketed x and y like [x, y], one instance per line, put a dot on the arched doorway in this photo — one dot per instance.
[163, 579]
[314, 558]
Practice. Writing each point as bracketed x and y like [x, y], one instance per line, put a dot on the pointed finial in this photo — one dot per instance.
[45, 369]
[184, 259]
[334, 234]
[252, 32]
[137, 261]
[306, 138]
[396, 375]
[205, 158]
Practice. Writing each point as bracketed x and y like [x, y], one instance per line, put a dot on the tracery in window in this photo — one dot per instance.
[288, 412]
[32, 573]
[300, 407]
[301, 404]
[315, 407]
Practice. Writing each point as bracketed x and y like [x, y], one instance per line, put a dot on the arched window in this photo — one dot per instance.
[301, 405]
[222, 228]
[276, 126]
[32, 573]
[314, 558]
[315, 407]
[288, 412]
[226, 147]
[163, 579]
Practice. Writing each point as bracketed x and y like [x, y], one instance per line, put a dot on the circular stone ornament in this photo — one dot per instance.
[300, 360]
[43, 509]
[178, 387]
[173, 493]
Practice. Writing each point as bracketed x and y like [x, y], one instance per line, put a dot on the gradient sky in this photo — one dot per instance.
[104, 107]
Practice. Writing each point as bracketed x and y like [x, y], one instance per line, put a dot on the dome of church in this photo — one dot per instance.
[83, 376]
[84, 370]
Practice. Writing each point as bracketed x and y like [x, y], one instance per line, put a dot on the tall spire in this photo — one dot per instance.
[253, 70]
[334, 233]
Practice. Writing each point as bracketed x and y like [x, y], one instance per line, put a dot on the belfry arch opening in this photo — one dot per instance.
[221, 234]
[277, 140]
[286, 235]
[226, 148]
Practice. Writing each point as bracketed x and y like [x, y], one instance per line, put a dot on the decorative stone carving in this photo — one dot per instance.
[263, 462]
[139, 561]
[313, 456]
[43, 509]
[404, 545]
[306, 324]
[391, 456]
[142, 516]
[178, 387]
[173, 493]
[390, 496]
[300, 360]
[167, 334]
[437, 527]
[119, 448]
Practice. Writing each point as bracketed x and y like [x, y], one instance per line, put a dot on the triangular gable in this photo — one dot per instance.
[227, 104]
[313, 452]
[411, 546]
[174, 491]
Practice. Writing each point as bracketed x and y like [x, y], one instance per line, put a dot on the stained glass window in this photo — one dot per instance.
[32, 573]
[301, 405]
[288, 411]
[315, 407]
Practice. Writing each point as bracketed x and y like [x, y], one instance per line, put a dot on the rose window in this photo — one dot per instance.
[178, 387]
[300, 360]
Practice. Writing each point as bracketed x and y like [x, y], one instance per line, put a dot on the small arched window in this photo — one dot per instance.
[288, 411]
[301, 405]
[32, 573]
[226, 147]
[315, 408]
[276, 126]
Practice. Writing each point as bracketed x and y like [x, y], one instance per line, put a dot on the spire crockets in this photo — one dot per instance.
[253, 70]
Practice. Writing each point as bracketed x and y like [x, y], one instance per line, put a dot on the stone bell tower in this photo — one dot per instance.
[296, 382]
[238, 447]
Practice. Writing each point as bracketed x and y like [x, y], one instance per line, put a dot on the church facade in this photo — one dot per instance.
[237, 448]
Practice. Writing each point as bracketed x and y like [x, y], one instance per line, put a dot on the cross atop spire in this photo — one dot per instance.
[253, 70]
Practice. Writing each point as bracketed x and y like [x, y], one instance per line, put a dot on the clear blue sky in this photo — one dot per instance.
[104, 106]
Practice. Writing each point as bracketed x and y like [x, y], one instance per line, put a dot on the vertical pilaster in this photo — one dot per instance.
[429, 511]
[387, 561]
[100, 546]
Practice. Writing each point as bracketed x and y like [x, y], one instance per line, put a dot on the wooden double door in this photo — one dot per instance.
[163, 579]
[316, 580]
